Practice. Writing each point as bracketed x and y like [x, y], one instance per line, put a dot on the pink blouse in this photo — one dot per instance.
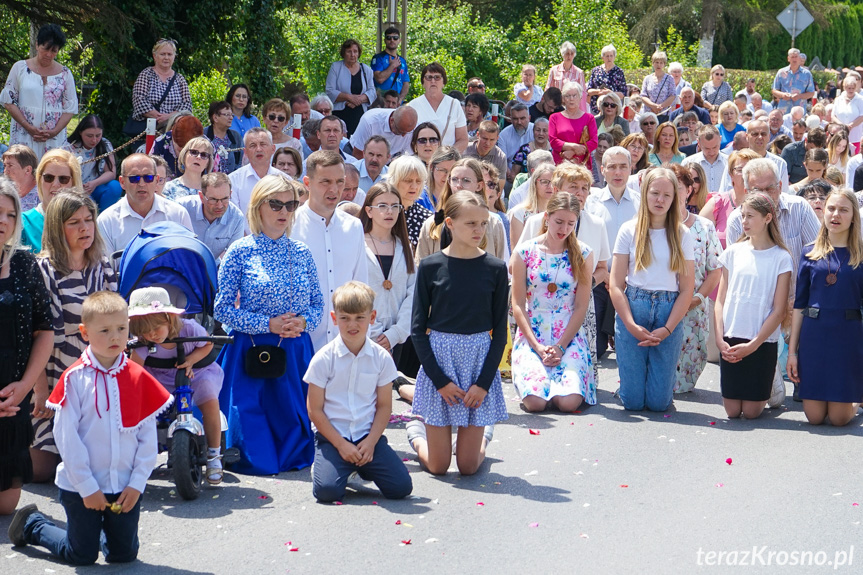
[557, 77]
[562, 130]
[722, 208]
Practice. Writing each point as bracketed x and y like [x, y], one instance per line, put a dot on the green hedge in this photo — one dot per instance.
[735, 78]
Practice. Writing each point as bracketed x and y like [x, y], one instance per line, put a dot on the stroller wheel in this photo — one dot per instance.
[186, 467]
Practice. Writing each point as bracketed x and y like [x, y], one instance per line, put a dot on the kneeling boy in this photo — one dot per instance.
[105, 429]
[350, 403]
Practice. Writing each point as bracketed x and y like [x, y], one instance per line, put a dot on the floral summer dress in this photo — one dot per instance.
[549, 314]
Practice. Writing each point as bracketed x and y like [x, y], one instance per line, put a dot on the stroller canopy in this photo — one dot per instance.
[167, 254]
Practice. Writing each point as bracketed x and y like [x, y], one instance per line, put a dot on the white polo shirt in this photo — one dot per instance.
[615, 213]
[339, 251]
[119, 224]
[376, 122]
[351, 383]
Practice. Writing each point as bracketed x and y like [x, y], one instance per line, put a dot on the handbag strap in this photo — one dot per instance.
[158, 106]
[448, 120]
[254, 344]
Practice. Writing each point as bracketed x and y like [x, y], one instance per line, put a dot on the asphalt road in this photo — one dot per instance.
[602, 491]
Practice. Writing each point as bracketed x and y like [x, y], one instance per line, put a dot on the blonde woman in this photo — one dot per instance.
[159, 90]
[717, 91]
[665, 150]
[194, 162]
[652, 282]
[58, 170]
[539, 192]
[610, 114]
[728, 126]
[275, 280]
[838, 150]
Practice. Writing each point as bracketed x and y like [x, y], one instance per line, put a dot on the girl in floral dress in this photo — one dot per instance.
[693, 356]
[551, 360]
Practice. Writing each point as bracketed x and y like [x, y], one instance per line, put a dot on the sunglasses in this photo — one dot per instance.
[392, 37]
[275, 118]
[648, 123]
[491, 184]
[609, 105]
[478, 86]
[696, 180]
[199, 154]
[49, 178]
[277, 206]
[137, 179]
[425, 141]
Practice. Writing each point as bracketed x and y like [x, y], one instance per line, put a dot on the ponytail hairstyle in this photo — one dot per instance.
[458, 201]
[399, 230]
[93, 121]
[447, 192]
[764, 205]
[674, 230]
[823, 248]
[568, 202]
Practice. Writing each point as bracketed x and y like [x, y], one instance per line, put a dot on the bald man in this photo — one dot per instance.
[395, 126]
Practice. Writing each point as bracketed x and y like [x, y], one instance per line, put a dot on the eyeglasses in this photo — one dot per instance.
[696, 180]
[609, 105]
[275, 118]
[199, 154]
[241, 96]
[136, 179]
[766, 190]
[388, 207]
[491, 184]
[392, 37]
[425, 141]
[226, 115]
[49, 178]
[464, 181]
[650, 123]
[440, 171]
[544, 182]
[737, 170]
[434, 77]
[638, 147]
[277, 206]
[217, 201]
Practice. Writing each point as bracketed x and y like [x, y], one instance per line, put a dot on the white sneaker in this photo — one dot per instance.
[777, 394]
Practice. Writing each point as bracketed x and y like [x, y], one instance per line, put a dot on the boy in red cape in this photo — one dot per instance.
[105, 429]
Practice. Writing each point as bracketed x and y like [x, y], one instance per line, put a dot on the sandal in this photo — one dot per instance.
[214, 471]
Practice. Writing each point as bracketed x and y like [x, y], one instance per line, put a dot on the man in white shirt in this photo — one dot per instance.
[714, 164]
[215, 220]
[259, 149]
[335, 238]
[514, 136]
[139, 207]
[758, 134]
[373, 166]
[396, 126]
[615, 204]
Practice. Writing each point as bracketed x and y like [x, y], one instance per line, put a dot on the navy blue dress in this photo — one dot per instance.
[267, 418]
[830, 354]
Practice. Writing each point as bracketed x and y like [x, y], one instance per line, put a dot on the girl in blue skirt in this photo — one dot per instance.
[460, 296]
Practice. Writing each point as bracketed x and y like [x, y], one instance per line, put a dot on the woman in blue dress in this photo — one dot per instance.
[826, 328]
[280, 302]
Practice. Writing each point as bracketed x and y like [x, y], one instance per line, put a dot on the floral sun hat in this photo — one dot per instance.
[145, 301]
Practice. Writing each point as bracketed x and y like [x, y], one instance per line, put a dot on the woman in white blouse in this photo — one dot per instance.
[443, 111]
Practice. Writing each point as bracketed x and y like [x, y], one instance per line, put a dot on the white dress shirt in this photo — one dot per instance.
[448, 116]
[376, 122]
[97, 456]
[242, 183]
[339, 253]
[351, 383]
[714, 172]
[119, 224]
[601, 203]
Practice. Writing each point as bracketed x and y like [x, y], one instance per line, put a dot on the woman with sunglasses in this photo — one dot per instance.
[716, 91]
[277, 113]
[280, 302]
[425, 141]
[196, 160]
[58, 169]
[610, 114]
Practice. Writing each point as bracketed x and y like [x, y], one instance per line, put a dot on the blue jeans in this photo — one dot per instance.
[107, 195]
[87, 531]
[386, 469]
[647, 373]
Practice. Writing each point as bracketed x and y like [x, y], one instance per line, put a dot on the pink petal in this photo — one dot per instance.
[398, 521]
[262, 497]
[667, 415]
[294, 549]
[480, 504]
[720, 484]
[405, 459]
[712, 423]
[534, 431]
[855, 505]
[534, 525]
[374, 502]
[337, 503]
[624, 486]
[406, 541]
[728, 461]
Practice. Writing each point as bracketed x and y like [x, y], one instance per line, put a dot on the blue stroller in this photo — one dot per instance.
[169, 256]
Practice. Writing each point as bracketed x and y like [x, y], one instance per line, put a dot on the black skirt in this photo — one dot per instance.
[752, 378]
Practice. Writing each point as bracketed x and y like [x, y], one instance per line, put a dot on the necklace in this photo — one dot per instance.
[388, 285]
[552, 287]
[831, 276]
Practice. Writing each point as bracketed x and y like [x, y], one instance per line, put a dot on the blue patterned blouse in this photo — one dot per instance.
[272, 277]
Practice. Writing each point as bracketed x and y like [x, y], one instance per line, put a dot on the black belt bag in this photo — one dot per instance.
[266, 361]
[850, 314]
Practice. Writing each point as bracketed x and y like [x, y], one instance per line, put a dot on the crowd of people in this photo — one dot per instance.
[415, 246]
